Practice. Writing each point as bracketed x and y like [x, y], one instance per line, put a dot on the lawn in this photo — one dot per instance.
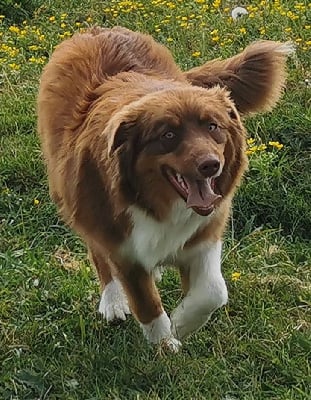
[53, 343]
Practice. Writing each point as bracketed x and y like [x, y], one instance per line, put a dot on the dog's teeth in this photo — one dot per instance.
[179, 178]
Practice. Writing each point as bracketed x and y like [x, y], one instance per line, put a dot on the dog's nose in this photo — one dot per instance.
[209, 167]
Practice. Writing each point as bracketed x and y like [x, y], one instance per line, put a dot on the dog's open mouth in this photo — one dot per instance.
[198, 194]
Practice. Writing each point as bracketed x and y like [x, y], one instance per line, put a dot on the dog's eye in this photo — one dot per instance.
[168, 135]
[212, 127]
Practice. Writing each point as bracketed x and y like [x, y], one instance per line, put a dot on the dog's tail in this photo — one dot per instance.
[254, 77]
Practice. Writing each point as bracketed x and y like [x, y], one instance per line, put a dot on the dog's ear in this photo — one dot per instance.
[255, 77]
[119, 131]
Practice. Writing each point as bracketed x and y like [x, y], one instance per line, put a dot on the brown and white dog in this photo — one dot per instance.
[143, 161]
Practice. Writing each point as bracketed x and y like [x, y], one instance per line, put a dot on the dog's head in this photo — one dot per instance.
[184, 143]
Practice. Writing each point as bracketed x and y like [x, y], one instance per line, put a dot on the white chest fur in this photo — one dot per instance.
[152, 242]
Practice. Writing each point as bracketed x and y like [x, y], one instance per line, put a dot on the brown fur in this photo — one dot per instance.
[105, 96]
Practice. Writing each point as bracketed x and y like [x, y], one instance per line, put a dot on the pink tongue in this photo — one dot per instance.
[200, 194]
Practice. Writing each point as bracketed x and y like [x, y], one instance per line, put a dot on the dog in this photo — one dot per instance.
[143, 160]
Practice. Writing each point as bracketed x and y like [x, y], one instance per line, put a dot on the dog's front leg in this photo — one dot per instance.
[206, 288]
[145, 303]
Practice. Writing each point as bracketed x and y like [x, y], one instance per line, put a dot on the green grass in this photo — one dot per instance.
[53, 344]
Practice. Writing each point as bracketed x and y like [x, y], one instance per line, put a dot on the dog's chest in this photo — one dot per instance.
[152, 242]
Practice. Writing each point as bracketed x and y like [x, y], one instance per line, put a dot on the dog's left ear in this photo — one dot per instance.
[255, 77]
[119, 131]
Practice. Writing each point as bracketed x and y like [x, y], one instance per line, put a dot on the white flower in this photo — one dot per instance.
[36, 282]
[238, 12]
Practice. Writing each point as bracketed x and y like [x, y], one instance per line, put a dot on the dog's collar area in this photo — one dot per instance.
[198, 194]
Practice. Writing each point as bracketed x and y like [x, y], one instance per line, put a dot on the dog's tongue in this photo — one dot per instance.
[201, 194]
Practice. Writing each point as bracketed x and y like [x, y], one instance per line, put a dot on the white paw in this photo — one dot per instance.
[171, 344]
[159, 332]
[113, 303]
[157, 273]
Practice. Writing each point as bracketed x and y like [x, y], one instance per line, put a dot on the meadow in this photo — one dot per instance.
[53, 343]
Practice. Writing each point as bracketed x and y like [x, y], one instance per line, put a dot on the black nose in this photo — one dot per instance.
[209, 167]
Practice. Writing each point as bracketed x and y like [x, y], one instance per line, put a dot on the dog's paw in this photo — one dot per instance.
[170, 344]
[113, 304]
[158, 332]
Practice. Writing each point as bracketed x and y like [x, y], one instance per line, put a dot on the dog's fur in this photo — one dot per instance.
[118, 120]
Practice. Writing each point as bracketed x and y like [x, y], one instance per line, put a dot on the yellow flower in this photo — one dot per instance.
[169, 39]
[33, 47]
[261, 147]
[14, 66]
[250, 141]
[196, 54]
[14, 29]
[52, 18]
[36, 202]
[243, 31]
[276, 145]
[235, 276]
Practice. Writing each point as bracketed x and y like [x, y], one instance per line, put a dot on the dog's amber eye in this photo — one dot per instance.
[212, 127]
[168, 135]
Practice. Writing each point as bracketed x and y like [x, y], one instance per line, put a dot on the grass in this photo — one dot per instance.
[53, 343]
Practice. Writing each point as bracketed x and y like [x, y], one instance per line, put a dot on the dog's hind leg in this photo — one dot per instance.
[113, 303]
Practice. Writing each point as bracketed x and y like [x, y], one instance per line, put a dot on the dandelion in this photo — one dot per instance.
[238, 12]
[36, 202]
[235, 276]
